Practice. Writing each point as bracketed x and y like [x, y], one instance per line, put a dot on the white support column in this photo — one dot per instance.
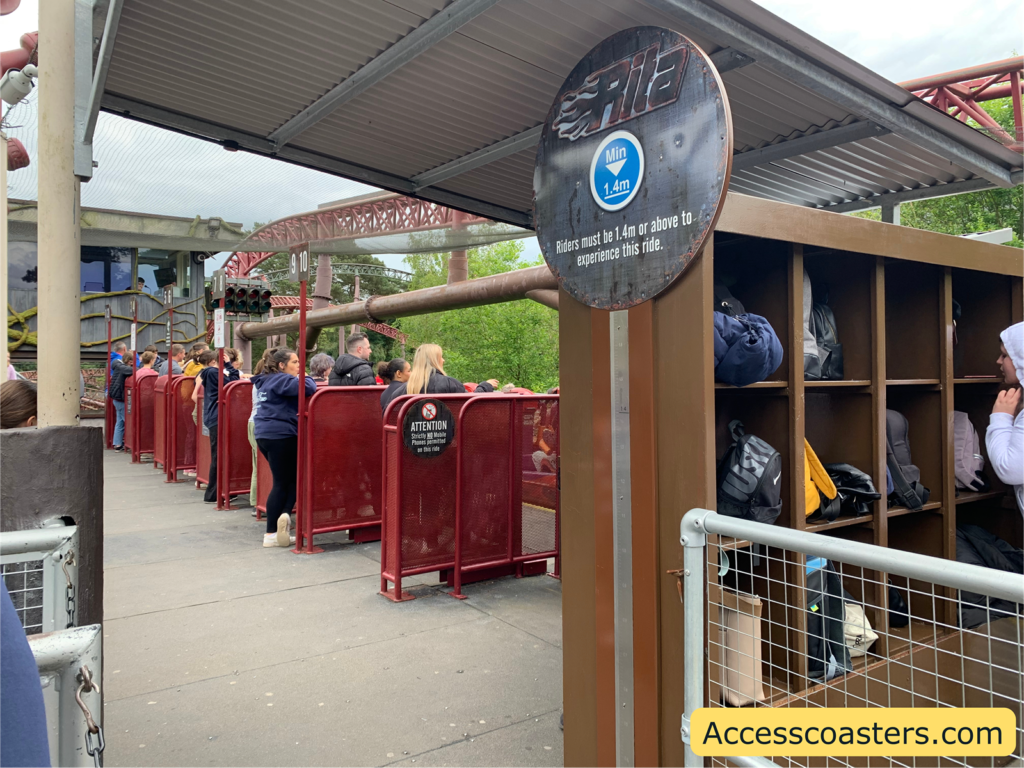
[59, 212]
[3, 248]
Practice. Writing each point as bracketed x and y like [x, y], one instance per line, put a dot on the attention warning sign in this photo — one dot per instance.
[429, 428]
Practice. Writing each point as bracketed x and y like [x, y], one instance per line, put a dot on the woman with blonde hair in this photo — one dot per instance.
[427, 376]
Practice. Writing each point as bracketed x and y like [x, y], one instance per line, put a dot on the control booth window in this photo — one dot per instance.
[157, 269]
[106, 270]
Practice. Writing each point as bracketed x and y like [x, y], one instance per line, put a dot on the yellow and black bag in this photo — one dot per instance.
[821, 496]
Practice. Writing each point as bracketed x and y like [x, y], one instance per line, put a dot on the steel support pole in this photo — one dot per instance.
[215, 477]
[3, 247]
[458, 261]
[59, 212]
[303, 521]
[622, 538]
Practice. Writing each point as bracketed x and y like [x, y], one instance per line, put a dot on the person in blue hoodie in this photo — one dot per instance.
[210, 378]
[277, 437]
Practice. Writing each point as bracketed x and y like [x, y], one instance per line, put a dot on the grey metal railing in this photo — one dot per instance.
[982, 659]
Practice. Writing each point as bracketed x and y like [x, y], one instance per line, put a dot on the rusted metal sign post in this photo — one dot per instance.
[108, 406]
[168, 395]
[219, 286]
[632, 167]
[298, 271]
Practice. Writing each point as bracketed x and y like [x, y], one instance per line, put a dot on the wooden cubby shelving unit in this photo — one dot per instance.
[895, 321]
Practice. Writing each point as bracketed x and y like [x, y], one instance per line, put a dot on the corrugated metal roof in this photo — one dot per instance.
[251, 65]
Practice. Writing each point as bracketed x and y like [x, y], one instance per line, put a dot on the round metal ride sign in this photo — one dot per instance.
[429, 428]
[632, 167]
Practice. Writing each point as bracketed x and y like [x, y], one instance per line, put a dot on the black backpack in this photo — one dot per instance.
[820, 324]
[827, 653]
[906, 477]
[750, 478]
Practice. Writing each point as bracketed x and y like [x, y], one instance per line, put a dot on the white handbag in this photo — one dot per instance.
[857, 630]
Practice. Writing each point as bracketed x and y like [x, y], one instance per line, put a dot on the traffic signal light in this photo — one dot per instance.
[231, 298]
[243, 296]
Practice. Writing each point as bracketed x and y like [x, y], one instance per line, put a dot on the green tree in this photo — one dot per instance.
[514, 342]
[973, 211]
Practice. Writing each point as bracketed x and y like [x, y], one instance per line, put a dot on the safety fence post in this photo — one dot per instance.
[108, 408]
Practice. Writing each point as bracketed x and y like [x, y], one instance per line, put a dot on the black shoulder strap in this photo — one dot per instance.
[903, 488]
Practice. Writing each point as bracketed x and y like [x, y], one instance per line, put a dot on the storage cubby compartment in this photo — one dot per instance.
[756, 272]
[766, 573]
[977, 401]
[922, 534]
[764, 415]
[845, 280]
[923, 409]
[838, 427]
[913, 331]
[985, 301]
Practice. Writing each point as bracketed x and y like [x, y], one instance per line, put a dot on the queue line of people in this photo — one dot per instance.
[273, 420]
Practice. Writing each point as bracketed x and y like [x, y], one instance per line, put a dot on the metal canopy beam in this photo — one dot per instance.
[429, 33]
[728, 31]
[184, 124]
[724, 60]
[99, 78]
[909, 195]
[805, 144]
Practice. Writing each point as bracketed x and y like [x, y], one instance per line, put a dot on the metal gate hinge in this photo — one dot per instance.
[684, 730]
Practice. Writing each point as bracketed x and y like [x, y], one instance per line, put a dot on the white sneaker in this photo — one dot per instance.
[270, 540]
[283, 523]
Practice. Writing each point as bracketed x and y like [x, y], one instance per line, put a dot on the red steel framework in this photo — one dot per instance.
[386, 214]
[139, 416]
[961, 92]
[234, 454]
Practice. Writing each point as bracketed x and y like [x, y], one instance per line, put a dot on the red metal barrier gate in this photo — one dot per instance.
[181, 443]
[343, 462]
[486, 506]
[234, 454]
[139, 413]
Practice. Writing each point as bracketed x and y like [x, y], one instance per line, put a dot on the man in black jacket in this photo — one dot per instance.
[119, 371]
[352, 368]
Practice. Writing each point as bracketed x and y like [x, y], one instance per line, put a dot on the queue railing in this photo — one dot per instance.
[507, 490]
[202, 444]
[342, 487]
[179, 429]
[139, 413]
[234, 454]
[461, 512]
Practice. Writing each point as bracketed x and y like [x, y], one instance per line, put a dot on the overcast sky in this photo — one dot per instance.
[142, 168]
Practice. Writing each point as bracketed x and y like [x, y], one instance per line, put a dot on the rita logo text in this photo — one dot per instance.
[640, 83]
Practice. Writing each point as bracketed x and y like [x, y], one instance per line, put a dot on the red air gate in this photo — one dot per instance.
[182, 442]
[343, 462]
[234, 454]
[202, 444]
[487, 506]
[139, 413]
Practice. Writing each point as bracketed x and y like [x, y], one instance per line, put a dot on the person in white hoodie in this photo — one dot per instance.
[1004, 438]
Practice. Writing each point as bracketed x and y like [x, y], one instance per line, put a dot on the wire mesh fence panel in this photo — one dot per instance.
[24, 582]
[345, 481]
[820, 624]
[40, 570]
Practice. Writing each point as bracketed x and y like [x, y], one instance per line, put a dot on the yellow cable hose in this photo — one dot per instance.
[25, 336]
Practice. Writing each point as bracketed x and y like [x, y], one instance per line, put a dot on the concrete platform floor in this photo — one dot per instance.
[220, 652]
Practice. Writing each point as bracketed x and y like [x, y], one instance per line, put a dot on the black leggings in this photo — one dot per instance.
[283, 457]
